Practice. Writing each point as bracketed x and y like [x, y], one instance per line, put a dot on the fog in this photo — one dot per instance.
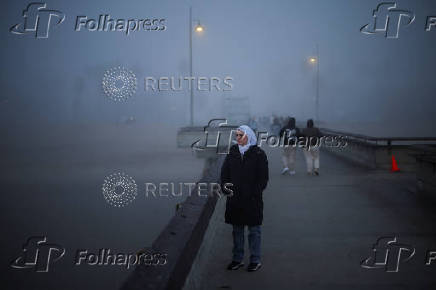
[61, 134]
[264, 48]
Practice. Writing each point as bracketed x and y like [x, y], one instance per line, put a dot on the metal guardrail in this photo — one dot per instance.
[378, 141]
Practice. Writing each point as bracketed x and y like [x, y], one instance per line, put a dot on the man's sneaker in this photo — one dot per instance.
[292, 172]
[253, 267]
[235, 265]
[315, 172]
[285, 170]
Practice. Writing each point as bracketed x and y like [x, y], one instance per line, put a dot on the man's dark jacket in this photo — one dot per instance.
[291, 134]
[249, 176]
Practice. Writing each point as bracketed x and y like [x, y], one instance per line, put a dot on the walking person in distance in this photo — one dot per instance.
[311, 150]
[289, 134]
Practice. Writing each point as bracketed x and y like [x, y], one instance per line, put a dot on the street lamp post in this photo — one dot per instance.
[315, 60]
[317, 84]
[198, 29]
[191, 103]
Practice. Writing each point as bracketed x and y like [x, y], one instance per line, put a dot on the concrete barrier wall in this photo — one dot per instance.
[195, 278]
[403, 154]
[356, 152]
[180, 240]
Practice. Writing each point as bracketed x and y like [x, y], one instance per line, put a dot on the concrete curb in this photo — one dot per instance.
[180, 240]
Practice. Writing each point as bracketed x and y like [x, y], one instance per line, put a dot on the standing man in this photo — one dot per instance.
[290, 133]
[246, 167]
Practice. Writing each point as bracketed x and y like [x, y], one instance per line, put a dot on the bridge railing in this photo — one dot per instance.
[376, 152]
[380, 141]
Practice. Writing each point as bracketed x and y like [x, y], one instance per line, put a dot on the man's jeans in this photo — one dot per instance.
[253, 243]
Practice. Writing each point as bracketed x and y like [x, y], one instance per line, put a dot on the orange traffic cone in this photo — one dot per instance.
[394, 165]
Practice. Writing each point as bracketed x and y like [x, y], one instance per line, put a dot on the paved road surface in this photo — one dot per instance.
[317, 230]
